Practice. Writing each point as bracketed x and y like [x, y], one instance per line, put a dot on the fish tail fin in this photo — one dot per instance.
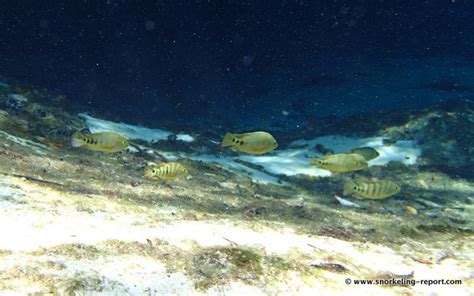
[349, 187]
[77, 140]
[227, 141]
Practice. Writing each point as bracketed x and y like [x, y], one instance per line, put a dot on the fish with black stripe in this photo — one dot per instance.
[253, 142]
[165, 171]
[101, 141]
[371, 189]
[340, 163]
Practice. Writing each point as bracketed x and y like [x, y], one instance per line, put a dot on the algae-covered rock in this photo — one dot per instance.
[15, 102]
[217, 266]
[445, 136]
[4, 119]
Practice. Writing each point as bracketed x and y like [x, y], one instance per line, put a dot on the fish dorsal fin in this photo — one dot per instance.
[326, 156]
[239, 136]
[85, 131]
[252, 133]
[360, 179]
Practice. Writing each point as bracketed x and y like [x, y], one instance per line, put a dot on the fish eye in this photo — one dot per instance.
[355, 188]
[153, 171]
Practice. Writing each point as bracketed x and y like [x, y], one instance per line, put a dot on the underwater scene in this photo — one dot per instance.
[206, 147]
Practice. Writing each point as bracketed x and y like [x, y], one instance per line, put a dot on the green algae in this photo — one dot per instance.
[217, 266]
[207, 267]
[444, 228]
[74, 251]
[47, 282]
[80, 283]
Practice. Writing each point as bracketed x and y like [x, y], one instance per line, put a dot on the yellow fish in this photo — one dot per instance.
[368, 153]
[102, 141]
[411, 210]
[340, 163]
[165, 171]
[253, 143]
[371, 189]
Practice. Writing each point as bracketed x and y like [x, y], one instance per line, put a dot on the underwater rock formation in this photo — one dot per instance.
[446, 137]
[84, 222]
[444, 132]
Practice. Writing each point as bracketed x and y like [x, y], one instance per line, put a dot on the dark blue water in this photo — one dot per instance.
[234, 61]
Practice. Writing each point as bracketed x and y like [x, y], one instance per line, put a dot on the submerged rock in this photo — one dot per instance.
[446, 138]
[445, 133]
[4, 119]
[329, 266]
[15, 102]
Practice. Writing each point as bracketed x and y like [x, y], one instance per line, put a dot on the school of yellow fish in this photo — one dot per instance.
[258, 142]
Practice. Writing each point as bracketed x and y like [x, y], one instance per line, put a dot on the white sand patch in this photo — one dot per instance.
[404, 151]
[295, 159]
[116, 275]
[137, 275]
[24, 142]
[132, 132]
[288, 162]
[229, 163]
[184, 138]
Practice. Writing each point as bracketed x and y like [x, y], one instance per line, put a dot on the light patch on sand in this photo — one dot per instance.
[184, 138]
[41, 223]
[229, 163]
[137, 275]
[405, 151]
[132, 132]
[24, 142]
[288, 162]
[295, 159]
